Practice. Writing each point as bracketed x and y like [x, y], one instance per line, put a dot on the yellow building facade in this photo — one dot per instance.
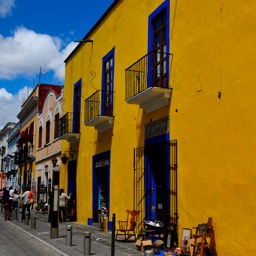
[212, 117]
[158, 98]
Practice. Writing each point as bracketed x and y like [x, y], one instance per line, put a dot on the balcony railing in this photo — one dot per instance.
[68, 128]
[99, 110]
[25, 154]
[147, 81]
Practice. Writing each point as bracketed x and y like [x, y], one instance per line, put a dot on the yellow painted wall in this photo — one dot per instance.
[213, 51]
[129, 40]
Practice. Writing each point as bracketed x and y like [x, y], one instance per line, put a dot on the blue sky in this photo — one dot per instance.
[38, 35]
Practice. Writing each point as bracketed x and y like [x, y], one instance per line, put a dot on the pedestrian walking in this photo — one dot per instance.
[11, 190]
[15, 199]
[1, 194]
[7, 204]
[26, 202]
[63, 199]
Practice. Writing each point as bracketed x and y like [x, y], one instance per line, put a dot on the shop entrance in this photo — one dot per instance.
[155, 170]
[157, 181]
[100, 184]
[102, 177]
[71, 207]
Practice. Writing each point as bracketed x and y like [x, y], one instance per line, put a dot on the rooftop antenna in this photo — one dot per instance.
[40, 75]
[41, 72]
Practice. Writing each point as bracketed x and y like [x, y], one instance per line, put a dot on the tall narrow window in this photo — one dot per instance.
[56, 126]
[108, 84]
[159, 27]
[77, 107]
[159, 48]
[40, 135]
[47, 135]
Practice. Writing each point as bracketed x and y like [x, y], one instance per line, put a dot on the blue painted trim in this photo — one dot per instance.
[164, 6]
[111, 54]
[157, 139]
[95, 158]
[72, 177]
[147, 183]
[89, 221]
[76, 87]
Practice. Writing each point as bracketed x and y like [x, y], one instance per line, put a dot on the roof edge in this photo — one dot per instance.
[93, 28]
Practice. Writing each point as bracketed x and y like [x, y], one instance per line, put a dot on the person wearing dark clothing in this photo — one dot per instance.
[50, 206]
[7, 205]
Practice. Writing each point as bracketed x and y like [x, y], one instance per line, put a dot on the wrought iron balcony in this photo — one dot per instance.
[99, 110]
[24, 155]
[69, 129]
[147, 81]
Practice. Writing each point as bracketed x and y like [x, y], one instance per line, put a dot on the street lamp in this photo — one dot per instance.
[55, 200]
[64, 158]
[54, 161]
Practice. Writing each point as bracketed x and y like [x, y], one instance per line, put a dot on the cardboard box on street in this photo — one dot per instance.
[143, 245]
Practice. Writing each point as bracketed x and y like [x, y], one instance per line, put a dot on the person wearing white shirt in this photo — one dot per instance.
[62, 205]
[26, 203]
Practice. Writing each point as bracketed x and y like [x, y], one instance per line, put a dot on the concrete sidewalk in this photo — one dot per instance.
[100, 241]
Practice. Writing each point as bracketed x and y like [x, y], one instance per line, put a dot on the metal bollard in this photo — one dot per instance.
[87, 243]
[149, 253]
[26, 218]
[33, 222]
[105, 224]
[69, 235]
[20, 215]
[15, 212]
[113, 235]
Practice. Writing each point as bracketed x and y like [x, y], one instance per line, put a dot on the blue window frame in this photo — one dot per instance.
[77, 107]
[158, 46]
[107, 84]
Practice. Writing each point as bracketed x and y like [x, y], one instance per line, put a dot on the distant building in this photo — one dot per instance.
[37, 136]
[10, 159]
[6, 156]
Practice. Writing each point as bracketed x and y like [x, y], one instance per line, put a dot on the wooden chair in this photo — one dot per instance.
[126, 228]
[204, 239]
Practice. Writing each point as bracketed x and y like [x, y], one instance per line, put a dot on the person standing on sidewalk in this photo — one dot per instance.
[50, 206]
[7, 204]
[11, 190]
[15, 199]
[62, 205]
[26, 203]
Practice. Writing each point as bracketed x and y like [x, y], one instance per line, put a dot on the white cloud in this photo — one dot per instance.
[22, 55]
[26, 51]
[4, 95]
[6, 7]
[10, 104]
[57, 64]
